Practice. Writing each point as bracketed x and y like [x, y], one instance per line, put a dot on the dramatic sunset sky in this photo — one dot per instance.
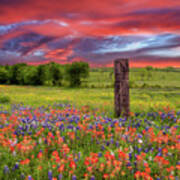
[96, 31]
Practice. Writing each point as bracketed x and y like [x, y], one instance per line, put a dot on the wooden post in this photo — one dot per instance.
[121, 90]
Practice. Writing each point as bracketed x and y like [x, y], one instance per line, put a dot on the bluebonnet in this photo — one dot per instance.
[22, 176]
[50, 176]
[92, 178]
[117, 144]
[107, 143]
[102, 148]
[16, 166]
[130, 156]
[100, 154]
[60, 176]
[29, 177]
[74, 177]
[6, 169]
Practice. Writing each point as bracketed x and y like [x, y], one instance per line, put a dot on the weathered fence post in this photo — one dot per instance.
[121, 90]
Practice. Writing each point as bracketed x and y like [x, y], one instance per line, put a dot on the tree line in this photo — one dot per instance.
[51, 74]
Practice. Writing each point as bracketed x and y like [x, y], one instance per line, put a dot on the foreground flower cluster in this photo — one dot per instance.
[65, 143]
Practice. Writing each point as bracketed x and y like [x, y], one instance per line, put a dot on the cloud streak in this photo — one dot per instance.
[90, 30]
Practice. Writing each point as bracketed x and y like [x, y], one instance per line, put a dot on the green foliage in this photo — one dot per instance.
[149, 68]
[4, 76]
[30, 76]
[169, 69]
[132, 84]
[79, 74]
[144, 85]
[76, 72]
[22, 74]
[51, 74]
[44, 75]
[56, 73]
[4, 99]
[15, 73]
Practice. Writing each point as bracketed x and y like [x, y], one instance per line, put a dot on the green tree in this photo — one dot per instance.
[4, 75]
[76, 71]
[56, 75]
[31, 76]
[143, 74]
[169, 69]
[15, 73]
[149, 68]
[44, 76]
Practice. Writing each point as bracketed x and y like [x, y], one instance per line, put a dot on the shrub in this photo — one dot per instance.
[30, 76]
[76, 71]
[108, 86]
[15, 75]
[169, 69]
[4, 99]
[157, 86]
[144, 85]
[56, 74]
[4, 76]
[149, 68]
[132, 84]
[43, 74]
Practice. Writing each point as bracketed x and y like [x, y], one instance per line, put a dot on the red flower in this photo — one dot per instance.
[105, 176]
[40, 155]
[89, 168]
[86, 162]
[178, 167]
[61, 168]
[26, 161]
[137, 174]
[72, 165]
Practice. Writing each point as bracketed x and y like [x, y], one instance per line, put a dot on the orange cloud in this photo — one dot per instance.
[60, 54]
[89, 18]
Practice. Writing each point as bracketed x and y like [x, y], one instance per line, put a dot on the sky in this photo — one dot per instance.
[147, 32]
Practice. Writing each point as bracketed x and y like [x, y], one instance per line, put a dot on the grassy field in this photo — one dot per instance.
[67, 143]
[150, 90]
[139, 77]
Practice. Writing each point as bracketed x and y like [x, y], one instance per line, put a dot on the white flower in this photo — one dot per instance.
[112, 153]
[131, 149]
[14, 153]
[150, 158]
[40, 140]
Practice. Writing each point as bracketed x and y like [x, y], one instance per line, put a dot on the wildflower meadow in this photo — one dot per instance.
[63, 142]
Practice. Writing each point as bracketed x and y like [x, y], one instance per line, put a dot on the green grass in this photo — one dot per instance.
[98, 99]
[152, 90]
[103, 78]
[4, 99]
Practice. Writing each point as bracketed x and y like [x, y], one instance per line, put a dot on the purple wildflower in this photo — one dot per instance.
[60, 176]
[74, 177]
[92, 178]
[29, 177]
[50, 175]
[6, 169]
